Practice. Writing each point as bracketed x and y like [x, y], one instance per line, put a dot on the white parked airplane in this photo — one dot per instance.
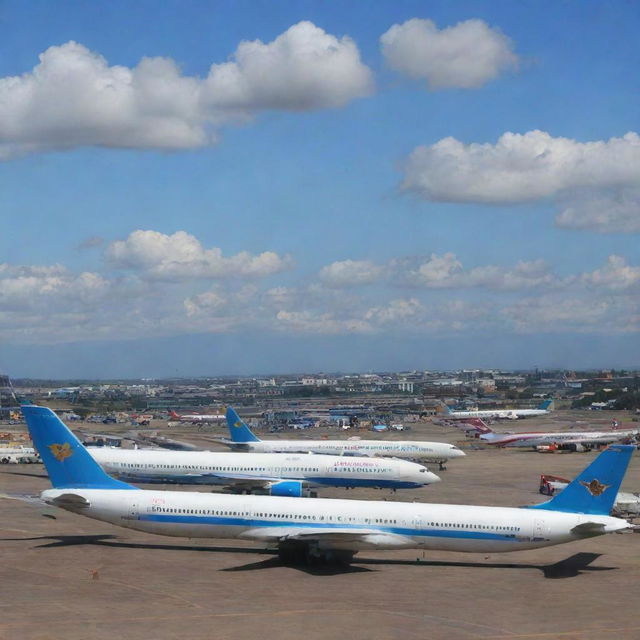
[507, 414]
[579, 439]
[196, 417]
[243, 439]
[325, 528]
[281, 474]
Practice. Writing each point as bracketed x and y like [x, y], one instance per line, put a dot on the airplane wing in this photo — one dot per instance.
[361, 537]
[23, 498]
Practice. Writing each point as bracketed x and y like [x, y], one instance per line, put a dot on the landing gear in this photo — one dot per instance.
[311, 555]
[442, 466]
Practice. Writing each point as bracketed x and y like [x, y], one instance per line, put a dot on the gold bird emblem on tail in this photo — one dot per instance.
[61, 451]
[595, 487]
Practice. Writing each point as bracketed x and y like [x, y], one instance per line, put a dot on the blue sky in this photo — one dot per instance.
[200, 188]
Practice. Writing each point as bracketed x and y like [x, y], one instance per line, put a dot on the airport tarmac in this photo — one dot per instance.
[79, 579]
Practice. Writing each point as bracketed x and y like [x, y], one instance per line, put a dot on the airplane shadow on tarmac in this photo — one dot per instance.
[570, 567]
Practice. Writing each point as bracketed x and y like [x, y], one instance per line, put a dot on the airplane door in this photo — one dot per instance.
[133, 510]
[538, 529]
[418, 523]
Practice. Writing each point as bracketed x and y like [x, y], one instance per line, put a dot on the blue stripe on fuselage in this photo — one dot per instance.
[324, 482]
[222, 521]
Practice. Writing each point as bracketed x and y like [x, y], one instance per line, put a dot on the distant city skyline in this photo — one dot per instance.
[243, 188]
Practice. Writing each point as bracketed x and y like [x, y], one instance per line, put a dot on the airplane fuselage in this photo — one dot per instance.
[410, 450]
[503, 414]
[382, 525]
[211, 467]
[543, 438]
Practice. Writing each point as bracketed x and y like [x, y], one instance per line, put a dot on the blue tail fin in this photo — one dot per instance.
[545, 404]
[595, 489]
[238, 429]
[68, 463]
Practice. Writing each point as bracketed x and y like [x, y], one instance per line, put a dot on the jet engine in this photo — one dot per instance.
[289, 488]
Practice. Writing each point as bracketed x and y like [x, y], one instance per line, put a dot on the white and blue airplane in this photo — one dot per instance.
[278, 473]
[243, 439]
[501, 414]
[325, 529]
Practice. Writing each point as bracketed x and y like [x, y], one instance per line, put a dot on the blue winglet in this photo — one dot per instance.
[595, 489]
[68, 463]
[238, 429]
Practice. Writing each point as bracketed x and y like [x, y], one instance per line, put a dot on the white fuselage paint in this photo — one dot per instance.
[507, 414]
[384, 525]
[533, 439]
[411, 450]
[218, 467]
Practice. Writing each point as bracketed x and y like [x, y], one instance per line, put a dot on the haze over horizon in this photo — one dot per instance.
[236, 188]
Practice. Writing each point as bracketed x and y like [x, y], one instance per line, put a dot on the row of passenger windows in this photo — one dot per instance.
[129, 465]
[322, 518]
[290, 516]
[485, 527]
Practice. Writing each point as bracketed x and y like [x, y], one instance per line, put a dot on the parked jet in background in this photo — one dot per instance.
[279, 473]
[544, 438]
[503, 414]
[310, 530]
[196, 417]
[18, 454]
[243, 439]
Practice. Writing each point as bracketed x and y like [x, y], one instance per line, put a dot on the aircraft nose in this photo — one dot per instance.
[457, 453]
[424, 476]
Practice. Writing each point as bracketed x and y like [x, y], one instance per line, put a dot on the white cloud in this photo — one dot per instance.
[609, 211]
[350, 273]
[304, 68]
[73, 97]
[465, 56]
[204, 302]
[615, 275]
[586, 314]
[180, 256]
[24, 287]
[447, 272]
[520, 168]
[319, 323]
[397, 311]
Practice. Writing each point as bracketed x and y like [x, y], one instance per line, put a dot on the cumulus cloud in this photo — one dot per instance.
[304, 68]
[465, 56]
[350, 273]
[319, 323]
[520, 168]
[23, 287]
[584, 314]
[73, 97]
[447, 272]
[609, 211]
[180, 256]
[615, 275]
[395, 312]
